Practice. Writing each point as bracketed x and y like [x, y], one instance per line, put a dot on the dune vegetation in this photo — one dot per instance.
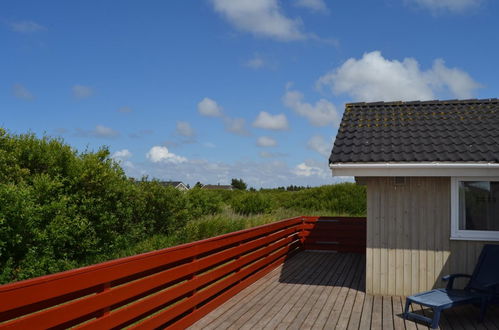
[61, 208]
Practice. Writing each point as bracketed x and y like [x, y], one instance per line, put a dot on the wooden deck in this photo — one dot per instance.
[317, 290]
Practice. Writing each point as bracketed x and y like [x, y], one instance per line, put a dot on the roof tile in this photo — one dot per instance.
[444, 131]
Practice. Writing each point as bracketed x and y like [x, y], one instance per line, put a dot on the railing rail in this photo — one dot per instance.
[172, 287]
[342, 234]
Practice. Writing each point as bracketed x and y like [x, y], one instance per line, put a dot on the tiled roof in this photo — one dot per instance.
[217, 187]
[171, 183]
[430, 131]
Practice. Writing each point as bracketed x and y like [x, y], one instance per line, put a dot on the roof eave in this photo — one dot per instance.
[440, 169]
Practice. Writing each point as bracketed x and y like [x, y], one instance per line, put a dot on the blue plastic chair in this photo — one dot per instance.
[482, 289]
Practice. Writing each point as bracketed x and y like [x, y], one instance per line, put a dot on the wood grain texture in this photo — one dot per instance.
[317, 290]
[408, 236]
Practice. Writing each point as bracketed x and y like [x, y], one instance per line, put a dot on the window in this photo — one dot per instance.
[475, 208]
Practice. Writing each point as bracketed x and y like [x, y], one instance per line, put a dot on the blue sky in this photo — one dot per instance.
[218, 89]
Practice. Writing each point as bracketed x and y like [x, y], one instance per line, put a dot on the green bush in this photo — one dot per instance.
[159, 209]
[203, 202]
[61, 209]
[251, 203]
[339, 199]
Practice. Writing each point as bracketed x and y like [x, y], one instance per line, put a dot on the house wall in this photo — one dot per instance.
[408, 231]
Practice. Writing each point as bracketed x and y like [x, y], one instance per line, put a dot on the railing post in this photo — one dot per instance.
[105, 311]
[302, 233]
[236, 259]
[192, 278]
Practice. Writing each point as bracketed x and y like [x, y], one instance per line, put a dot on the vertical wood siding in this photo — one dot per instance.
[408, 231]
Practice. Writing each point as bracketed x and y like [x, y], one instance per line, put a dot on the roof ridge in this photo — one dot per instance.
[453, 101]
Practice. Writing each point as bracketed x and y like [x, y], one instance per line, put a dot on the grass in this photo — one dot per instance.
[213, 225]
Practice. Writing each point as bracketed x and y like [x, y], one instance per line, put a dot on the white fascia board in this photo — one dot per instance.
[415, 169]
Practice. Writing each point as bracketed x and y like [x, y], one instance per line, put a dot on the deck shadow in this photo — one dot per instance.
[325, 269]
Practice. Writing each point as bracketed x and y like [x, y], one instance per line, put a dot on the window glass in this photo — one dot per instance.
[479, 205]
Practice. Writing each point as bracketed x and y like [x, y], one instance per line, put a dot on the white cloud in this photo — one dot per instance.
[458, 82]
[273, 122]
[268, 154]
[22, 92]
[265, 141]
[456, 6]
[313, 5]
[261, 18]
[100, 131]
[256, 62]
[236, 126]
[374, 78]
[125, 109]
[271, 172]
[322, 113]
[311, 168]
[26, 27]
[141, 133]
[210, 145]
[159, 154]
[82, 92]
[103, 131]
[210, 108]
[122, 154]
[319, 144]
[61, 130]
[185, 129]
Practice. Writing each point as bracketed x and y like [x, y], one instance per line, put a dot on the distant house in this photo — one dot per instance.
[176, 184]
[217, 187]
[432, 176]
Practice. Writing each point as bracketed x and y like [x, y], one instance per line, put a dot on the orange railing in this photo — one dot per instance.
[173, 287]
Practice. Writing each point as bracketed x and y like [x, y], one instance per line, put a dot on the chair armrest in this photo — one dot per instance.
[491, 285]
[451, 279]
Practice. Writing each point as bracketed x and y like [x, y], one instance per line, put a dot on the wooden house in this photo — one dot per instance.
[432, 175]
[176, 184]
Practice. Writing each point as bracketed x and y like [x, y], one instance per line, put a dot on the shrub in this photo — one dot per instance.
[159, 209]
[251, 203]
[61, 209]
[203, 202]
[344, 198]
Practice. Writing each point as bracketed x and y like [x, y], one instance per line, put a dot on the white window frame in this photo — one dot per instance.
[468, 235]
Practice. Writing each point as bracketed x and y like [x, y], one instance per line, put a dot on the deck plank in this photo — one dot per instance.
[278, 320]
[315, 290]
[377, 315]
[358, 305]
[239, 308]
[246, 310]
[493, 322]
[387, 313]
[398, 321]
[326, 292]
[419, 309]
[339, 304]
[266, 316]
[366, 318]
[266, 282]
[346, 315]
[343, 314]
[314, 293]
[329, 304]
